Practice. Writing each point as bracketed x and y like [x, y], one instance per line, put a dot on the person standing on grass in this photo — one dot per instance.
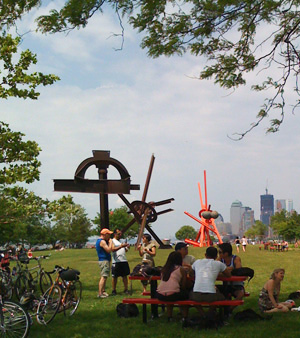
[244, 243]
[268, 297]
[237, 244]
[147, 251]
[120, 267]
[104, 248]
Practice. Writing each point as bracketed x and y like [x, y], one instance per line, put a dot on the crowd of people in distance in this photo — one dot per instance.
[185, 277]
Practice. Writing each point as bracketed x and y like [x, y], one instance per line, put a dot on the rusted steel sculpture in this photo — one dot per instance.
[145, 213]
[207, 221]
[102, 160]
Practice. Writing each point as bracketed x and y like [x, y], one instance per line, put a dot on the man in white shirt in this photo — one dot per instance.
[206, 273]
[120, 267]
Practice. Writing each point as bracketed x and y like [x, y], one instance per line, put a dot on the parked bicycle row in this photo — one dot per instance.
[40, 296]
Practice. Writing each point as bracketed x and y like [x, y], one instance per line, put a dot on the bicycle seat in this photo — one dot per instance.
[70, 275]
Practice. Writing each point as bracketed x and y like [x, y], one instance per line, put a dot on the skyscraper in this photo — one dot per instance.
[241, 218]
[266, 207]
[236, 212]
[283, 205]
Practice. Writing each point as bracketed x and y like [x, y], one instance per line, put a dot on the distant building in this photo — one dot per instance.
[266, 207]
[247, 219]
[283, 205]
[241, 218]
[224, 228]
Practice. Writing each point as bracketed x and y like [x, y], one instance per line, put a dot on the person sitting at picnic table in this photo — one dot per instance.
[147, 250]
[206, 273]
[269, 295]
[173, 283]
[187, 260]
[235, 289]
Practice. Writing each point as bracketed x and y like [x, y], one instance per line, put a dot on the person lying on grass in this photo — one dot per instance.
[268, 297]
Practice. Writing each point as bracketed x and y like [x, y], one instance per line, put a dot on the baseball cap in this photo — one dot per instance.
[105, 231]
[180, 245]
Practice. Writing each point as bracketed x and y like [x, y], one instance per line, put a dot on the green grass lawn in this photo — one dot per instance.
[98, 318]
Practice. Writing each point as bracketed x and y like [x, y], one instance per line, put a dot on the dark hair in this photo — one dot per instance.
[226, 247]
[174, 259]
[148, 237]
[116, 230]
[211, 252]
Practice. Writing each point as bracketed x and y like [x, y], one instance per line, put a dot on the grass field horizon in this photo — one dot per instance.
[98, 318]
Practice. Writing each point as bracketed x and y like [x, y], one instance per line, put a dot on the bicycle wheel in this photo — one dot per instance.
[15, 320]
[45, 281]
[6, 285]
[73, 298]
[49, 305]
[23, 286]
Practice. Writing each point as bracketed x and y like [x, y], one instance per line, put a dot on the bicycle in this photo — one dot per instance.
[5, 276]
[27, 279]
[14, 320]
[64, 295]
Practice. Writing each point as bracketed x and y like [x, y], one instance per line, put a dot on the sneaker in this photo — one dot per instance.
[105, 294]
[126, 292]
[295, 309]
[102, 296]
[114, 293]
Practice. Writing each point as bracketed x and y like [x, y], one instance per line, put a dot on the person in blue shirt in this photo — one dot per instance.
[104, 248]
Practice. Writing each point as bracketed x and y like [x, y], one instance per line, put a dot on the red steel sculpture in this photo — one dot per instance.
[207, 221]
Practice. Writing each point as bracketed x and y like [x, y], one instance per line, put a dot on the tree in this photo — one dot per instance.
[22, 215]
[119, 218]
[18, 158]
[235, 36]
[259, 229]
[71, 223]
[186, 231]
[16, 79]
[286, 225]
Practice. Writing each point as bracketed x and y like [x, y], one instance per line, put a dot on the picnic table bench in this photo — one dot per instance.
[154, 301]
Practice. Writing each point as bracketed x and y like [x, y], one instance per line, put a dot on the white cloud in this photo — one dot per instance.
[135, 106]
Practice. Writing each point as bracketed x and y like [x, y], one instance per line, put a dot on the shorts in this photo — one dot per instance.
[230, 290]
[206, 297]
[120, 269]
[104, 268]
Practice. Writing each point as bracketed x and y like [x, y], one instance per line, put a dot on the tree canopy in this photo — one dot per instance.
[18, 158]
[235, 36]
[16, 79]
[118, 219]
[259, 229]
[186, 231]
[286, 225]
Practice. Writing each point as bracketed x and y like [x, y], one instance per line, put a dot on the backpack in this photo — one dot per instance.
[146, 270]
[136, 270]
[127, 310]
[248, 315]
[243, 272]
[294, 295]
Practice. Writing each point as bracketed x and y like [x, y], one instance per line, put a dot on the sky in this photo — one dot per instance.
[135, 106]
